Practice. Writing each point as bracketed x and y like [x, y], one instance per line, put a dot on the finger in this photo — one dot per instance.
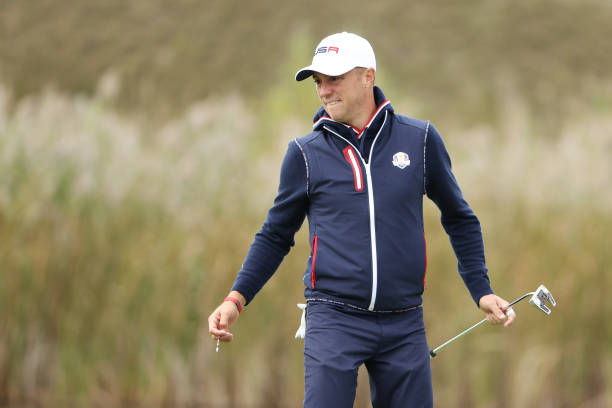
[218, 333]
[222, 335]
[213, 321]
[492, 318]
[511, 316]
[223, 321]
[497, 315]
[495, 318]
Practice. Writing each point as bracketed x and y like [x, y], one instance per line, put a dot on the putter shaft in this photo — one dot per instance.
[434, 352]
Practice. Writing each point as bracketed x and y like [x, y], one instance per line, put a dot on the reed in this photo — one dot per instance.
[118, 241]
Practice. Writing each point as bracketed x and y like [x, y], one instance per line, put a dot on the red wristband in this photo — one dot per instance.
[235, 301]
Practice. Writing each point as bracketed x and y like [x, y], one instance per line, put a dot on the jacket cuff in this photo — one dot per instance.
[480, 289]
[245, 290]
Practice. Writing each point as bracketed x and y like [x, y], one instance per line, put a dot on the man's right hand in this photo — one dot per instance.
[223, 317]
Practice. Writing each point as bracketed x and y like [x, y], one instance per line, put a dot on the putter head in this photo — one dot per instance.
[542, 296]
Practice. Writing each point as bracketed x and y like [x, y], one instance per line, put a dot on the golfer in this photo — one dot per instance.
[360, 177]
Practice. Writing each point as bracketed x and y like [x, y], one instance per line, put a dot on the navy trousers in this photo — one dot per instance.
[392, 346]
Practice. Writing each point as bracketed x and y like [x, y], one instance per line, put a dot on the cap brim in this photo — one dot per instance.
[303, 73]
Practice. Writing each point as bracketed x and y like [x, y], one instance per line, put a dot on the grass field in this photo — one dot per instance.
[140, 147]
[117, 242]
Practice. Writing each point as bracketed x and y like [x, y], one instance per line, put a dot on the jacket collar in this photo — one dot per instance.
[322, 118]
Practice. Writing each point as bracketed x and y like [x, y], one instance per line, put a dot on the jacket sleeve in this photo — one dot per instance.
[276, 236]
[458, 219]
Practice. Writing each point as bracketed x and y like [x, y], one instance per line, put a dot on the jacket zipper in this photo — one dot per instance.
[370, 206]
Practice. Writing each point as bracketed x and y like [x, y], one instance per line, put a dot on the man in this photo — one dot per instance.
[360, 177]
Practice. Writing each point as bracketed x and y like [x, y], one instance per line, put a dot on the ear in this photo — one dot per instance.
[369, 75]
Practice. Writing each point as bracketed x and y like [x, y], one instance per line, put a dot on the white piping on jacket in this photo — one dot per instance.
[370, 206]
[307, 167]
[425, 159]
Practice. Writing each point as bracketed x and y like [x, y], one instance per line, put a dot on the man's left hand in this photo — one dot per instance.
[494, 307]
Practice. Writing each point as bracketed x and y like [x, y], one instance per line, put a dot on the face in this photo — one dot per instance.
[347, 97]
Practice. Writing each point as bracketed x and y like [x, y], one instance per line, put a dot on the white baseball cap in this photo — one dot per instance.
[338, 54]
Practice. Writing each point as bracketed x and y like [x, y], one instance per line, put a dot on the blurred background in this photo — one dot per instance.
[140, 145]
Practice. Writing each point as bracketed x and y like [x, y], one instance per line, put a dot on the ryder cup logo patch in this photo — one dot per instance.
[401, 160]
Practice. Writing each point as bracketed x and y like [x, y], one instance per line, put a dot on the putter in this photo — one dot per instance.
[538, 299]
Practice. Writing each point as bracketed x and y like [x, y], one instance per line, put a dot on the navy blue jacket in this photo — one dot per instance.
[362, 191]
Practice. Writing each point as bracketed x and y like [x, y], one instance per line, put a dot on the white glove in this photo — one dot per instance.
[301, 332]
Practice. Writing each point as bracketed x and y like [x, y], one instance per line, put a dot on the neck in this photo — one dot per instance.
[364, 113]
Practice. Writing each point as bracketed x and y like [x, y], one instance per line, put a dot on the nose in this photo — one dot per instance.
[323, 88]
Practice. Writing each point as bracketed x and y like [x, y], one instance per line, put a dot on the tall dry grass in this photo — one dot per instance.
[109, 236]
[545, 203]
[117, 240]
[172, 53]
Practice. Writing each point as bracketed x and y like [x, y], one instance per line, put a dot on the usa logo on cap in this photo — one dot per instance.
[323, 50]
[401, 160]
